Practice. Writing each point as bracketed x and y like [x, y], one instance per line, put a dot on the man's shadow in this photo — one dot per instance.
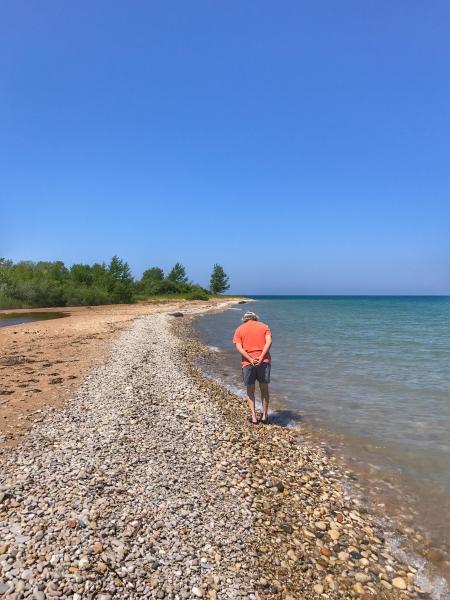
[285, 417]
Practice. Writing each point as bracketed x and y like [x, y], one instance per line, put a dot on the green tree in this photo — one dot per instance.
[219, 280]
[155, 274]
[6, 298]
[100, 275]
[120, 284]
[55, 271]
[151, 281]
[81, 274]
[178, 274]
[5, 270]
[44, 283]
[29, 284]
[119, 270]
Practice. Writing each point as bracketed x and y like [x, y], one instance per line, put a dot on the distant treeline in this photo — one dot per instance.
[29, 284]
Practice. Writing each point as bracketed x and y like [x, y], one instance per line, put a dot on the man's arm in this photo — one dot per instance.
[266, 347]
[243, 353]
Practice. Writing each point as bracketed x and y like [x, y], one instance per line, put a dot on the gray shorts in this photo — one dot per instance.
[260, 373]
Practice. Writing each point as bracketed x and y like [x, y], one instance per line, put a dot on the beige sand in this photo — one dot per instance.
[42, 363]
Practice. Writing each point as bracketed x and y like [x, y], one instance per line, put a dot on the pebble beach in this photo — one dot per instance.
[150, 483]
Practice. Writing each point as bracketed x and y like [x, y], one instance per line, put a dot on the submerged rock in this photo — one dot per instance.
[399, 583]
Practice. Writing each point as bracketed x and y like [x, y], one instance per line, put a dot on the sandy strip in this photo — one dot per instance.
[43, 362]
[151, 483]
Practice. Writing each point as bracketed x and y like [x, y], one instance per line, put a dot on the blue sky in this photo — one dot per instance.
[305, 146]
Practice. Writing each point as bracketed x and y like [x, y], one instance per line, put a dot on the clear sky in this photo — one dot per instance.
[305, 146]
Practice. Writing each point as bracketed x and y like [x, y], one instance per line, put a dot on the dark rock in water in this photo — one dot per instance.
[176, 314]
[242, 302]
[434, 555]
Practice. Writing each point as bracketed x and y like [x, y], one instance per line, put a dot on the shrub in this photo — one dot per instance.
[197, 293]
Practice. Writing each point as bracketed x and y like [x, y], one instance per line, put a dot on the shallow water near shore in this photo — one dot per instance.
[370, 376]
[10, 319]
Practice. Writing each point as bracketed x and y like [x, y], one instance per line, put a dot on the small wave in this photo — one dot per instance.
[293, 425]
[233, 388]
[432, 584]
[220, 380]
[214, 348]
[436, 586]
[229, 386]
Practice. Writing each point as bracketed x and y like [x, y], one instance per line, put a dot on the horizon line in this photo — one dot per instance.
[349, 295]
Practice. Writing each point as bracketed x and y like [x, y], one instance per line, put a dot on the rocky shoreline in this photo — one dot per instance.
[151, 483]
[324, 542]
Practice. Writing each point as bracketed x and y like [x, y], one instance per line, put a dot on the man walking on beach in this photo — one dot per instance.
[253, 340]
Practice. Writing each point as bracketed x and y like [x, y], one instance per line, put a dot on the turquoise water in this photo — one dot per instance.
[374, 372]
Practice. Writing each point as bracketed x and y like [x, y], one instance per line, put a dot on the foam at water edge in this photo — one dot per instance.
[232, 388]
[434, 585]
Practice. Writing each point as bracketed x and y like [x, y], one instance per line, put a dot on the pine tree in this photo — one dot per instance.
[119, 270]
[219, 280]
[178, 273]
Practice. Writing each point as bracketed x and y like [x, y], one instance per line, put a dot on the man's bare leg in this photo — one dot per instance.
[251, 401]
[264, 387]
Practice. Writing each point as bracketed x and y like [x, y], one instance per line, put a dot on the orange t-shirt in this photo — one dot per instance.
[252, 336]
